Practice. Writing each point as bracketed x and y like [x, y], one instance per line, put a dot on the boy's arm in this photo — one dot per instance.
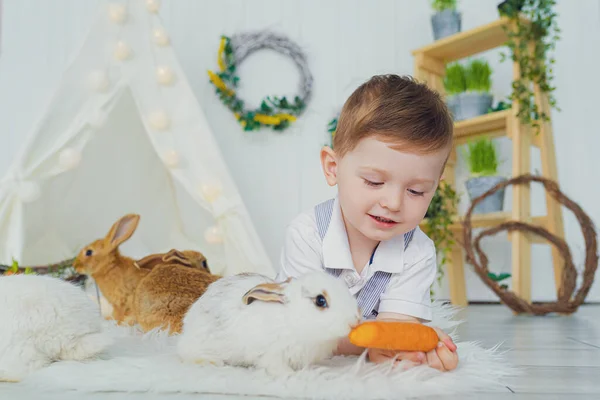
[408, 298]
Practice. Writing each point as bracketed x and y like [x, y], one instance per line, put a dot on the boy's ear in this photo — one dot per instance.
[329, 165]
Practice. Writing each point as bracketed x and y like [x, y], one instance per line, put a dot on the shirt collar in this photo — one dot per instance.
[336, 249]
[389, 256]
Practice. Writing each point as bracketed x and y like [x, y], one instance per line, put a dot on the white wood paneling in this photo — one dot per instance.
[346, 42]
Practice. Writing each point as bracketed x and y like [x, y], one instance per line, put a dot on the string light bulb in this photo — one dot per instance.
[122, 51]
[159, 120]
[160, 37]
[152, 5]
[70, 158]
[117, 13]
[164, 75]
[213, 235]
[211, 191]
[171, 159]
[98, 81]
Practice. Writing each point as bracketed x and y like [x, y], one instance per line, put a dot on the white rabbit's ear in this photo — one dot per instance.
[268, 292]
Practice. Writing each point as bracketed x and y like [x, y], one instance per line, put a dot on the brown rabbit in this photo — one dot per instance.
[154, 292]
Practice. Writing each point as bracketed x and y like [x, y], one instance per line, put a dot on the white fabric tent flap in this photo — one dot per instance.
[118, 138]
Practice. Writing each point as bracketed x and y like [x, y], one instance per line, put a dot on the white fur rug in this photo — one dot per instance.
[147, 363]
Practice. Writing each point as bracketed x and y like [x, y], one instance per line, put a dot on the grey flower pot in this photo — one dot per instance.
[453, 105]
[445, 23]
[469, 105]
[478, 186]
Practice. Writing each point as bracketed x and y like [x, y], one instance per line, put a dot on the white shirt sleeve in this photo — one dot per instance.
[302, 248]
[408, 292]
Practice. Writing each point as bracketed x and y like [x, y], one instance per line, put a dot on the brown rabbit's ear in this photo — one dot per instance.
[150, 261]
[177, 257]
[268, 292]
[172, 257]
[122, 230]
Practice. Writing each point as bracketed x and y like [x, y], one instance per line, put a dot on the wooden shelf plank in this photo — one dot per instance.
[467, 43]
[488, 220]
[479, 220]
[483, 220]
[492, 125]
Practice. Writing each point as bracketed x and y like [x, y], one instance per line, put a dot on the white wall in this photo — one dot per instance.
[346, 42]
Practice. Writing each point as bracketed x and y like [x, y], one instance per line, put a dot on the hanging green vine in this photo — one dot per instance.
[536, 64]
[438, 219]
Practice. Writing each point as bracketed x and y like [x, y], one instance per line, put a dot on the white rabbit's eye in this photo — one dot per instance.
[321, 301]
[88, 252]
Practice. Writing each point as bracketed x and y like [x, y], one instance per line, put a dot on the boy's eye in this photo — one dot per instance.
[414, 192]
[371, 183]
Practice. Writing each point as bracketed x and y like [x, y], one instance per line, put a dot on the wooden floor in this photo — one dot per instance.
[561, 355]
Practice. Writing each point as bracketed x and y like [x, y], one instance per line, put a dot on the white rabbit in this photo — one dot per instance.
[250, 320]
[45, 319]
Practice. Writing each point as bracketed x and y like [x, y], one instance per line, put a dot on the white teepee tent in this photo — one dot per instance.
[125, 134]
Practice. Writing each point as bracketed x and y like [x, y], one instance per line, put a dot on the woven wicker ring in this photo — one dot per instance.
[274, 112]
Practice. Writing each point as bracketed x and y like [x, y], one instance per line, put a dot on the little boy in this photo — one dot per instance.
[393, 139]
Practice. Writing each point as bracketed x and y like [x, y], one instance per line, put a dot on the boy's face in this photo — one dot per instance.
[383, 192]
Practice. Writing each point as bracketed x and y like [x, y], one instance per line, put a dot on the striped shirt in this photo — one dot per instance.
[396, 279]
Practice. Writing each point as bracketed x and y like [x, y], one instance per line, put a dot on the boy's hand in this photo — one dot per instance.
[380, 356]
[443, 357]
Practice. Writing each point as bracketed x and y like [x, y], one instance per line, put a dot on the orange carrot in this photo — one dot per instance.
[394, 335]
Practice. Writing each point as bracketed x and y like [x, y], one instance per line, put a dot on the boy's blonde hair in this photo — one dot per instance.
[398, 110]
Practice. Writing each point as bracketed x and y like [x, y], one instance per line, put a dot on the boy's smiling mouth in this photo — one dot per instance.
[381, 221]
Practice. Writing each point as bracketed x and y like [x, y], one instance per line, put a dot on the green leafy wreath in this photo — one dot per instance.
[274, 112]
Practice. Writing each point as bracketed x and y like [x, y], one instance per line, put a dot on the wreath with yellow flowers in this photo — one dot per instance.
[332, 128]
[274, 112]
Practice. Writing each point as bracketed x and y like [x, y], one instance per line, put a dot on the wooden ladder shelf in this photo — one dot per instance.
[429, 67]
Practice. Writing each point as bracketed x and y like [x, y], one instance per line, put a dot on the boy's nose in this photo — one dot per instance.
[392, 201]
